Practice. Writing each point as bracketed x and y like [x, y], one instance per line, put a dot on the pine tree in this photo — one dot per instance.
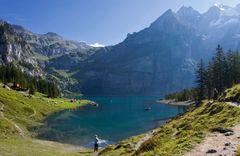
[209, 81]
[200, 80]
[11, 74]
[219, 69]
[236, 67]
[231, 70]
[32, 89]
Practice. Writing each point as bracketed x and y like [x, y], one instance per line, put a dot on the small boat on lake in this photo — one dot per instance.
[148, 109]
[94, 104]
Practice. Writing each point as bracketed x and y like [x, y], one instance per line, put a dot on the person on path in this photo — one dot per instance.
[96, 143]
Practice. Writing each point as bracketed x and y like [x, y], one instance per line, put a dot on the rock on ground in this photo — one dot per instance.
[216, 144]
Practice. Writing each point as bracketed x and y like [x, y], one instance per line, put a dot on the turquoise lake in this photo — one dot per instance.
[116, 118]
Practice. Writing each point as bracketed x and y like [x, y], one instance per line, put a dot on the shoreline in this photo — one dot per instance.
[176, 103]
[39, 109]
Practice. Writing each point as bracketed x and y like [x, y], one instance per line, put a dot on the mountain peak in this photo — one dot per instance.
[167, 22]
[168, 16]
[168, 12]
[165, 16]
[53, 35]
[214, 11]
[222, 11]
[18, 27]
[188, 16]
[187, 10]
[214, 8]
[221, 6]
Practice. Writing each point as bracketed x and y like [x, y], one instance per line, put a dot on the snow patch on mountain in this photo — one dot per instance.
[221, 6]
[97, 45]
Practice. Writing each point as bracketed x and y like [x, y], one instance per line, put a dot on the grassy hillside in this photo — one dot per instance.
[231, 94]
[32, 147]
[182, 133]
[177, 136]
[22, 112]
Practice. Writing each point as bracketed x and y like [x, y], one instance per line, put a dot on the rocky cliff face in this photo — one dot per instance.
[219, 25]
[162, 57]
[156, 60]
[50, 44]
[53, 50]
[14, 50]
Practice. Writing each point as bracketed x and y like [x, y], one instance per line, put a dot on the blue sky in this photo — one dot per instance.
[93, 21]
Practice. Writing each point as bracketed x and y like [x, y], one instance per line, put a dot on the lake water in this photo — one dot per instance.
[116, 118]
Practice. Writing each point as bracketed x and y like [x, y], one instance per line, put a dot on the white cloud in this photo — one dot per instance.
[97, 45]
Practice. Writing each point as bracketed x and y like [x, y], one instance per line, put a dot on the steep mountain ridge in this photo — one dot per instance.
[50, 44]
[188, 16]
[162, 57]
[15, 50]
[151, 61]
[50, 47]
[219, 25]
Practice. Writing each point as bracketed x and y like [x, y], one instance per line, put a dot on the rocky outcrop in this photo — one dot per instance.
[47, 47]
[50, 44]
[14, 50]
[1, 110]
[218, 144]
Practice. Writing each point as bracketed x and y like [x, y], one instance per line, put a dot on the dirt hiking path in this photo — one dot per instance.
[218, 144]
